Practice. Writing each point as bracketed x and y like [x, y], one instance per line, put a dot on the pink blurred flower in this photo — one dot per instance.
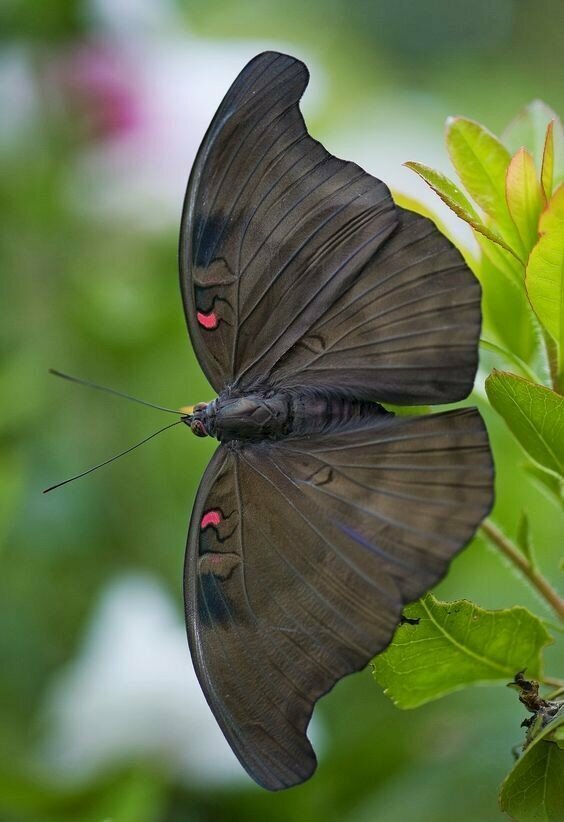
[98, 85]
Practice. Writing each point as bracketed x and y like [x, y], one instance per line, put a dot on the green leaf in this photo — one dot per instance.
[456, 644]
[482, 162]
[534, 788]
[544, 278]
[556, 735]
[547, 167]
[457, 201]
[502, 261]
[524, 540]
[511, 357]
[551, 485]
[524, 197]
[533, 413]
[508, 318]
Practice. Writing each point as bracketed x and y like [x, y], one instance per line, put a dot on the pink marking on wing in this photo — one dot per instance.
[210, 518]
[207, 320]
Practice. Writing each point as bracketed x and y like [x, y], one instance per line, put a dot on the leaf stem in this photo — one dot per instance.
[537, 580]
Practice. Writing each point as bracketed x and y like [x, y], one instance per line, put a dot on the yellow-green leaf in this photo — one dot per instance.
[482, 162]
[547, 168]
[533, 413]
[545, 270]
[558, 153]
[528, 129]
[454, 645]
[524, 197]
[457, 201]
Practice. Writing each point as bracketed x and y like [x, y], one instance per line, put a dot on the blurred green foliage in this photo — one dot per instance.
[97, 295]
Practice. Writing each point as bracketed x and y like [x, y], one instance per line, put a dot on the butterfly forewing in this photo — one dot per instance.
[274, 227]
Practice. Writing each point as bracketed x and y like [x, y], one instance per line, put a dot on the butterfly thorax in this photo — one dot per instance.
[273, 415]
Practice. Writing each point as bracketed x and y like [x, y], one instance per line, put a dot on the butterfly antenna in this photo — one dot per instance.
[116, 457]
[112, 391]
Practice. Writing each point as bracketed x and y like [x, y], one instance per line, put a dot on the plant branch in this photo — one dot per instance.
[540, 583]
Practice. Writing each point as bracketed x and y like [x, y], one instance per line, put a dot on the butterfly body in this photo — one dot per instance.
[272, 415]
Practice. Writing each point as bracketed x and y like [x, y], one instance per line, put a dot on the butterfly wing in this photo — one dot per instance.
[300, 557]
[274, 228]
[407, 330]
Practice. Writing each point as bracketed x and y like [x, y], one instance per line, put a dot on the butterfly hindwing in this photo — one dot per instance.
[229, 601]
[274, 227]
[300, 557]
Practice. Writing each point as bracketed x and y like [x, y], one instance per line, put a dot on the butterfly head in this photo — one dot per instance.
[200, 419]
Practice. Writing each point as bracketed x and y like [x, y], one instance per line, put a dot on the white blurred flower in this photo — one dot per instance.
[132, 694]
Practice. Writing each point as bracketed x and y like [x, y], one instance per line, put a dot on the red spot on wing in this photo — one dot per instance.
[207, 320]
[210, 518]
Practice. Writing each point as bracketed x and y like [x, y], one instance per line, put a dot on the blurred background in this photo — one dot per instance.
[103, 105]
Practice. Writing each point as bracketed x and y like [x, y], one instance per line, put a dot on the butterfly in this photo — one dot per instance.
[311, 298]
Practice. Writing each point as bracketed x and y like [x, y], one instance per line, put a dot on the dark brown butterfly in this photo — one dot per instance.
[311, 297]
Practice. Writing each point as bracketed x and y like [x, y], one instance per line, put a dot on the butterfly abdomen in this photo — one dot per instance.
[270, 415]
[319, 411]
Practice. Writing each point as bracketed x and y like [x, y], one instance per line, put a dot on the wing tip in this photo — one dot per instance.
[273, 782]
[273, 56]
[278, 63]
